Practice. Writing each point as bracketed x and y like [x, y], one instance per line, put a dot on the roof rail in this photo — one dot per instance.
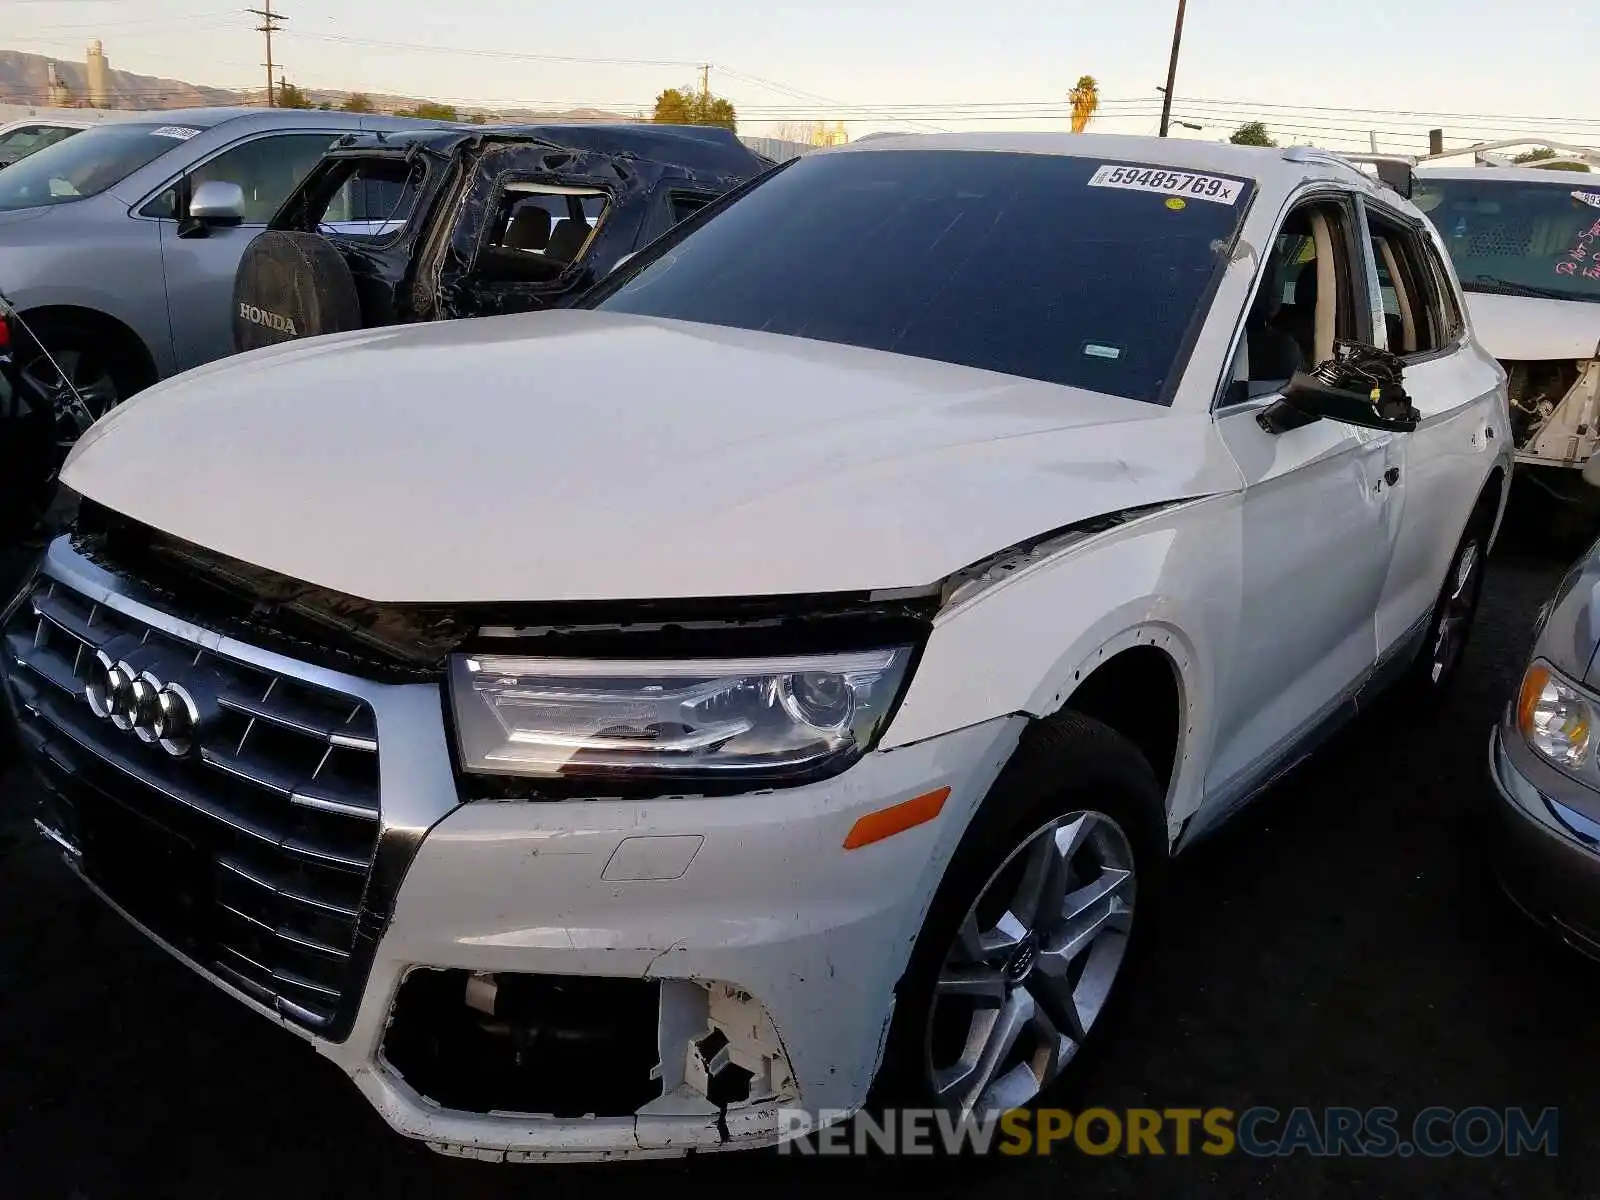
[1392, 170]
[1485, 154]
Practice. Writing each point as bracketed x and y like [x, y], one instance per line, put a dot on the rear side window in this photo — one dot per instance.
[685, 204]
[1069, 270]
[1418, 306]
[540, 230]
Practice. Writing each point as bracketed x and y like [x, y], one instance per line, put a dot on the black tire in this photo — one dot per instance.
[292, 285]
[1064, 765]
[104, 373]
[1426, 684]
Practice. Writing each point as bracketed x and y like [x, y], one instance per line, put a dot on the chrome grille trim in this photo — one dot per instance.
[303, 854]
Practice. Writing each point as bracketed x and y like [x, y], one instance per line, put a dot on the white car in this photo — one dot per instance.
[20, 138]
[1525, 242]
[602, 731]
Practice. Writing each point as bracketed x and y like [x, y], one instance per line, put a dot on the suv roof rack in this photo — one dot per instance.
[1485, 154]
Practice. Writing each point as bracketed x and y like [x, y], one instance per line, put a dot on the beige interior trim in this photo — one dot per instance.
[1327, 287]
[1408, 316]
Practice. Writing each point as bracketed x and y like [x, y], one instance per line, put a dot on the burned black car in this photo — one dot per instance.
[437, 224]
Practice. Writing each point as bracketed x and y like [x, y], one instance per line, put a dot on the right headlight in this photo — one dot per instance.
[1556, 718]
[782, 719]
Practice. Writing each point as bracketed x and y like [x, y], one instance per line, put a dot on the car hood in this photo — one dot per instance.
[586, 456]
[1532, 329]
[1568, 628]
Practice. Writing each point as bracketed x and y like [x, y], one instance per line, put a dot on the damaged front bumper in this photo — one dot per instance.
[1555, 411]
[520, 980]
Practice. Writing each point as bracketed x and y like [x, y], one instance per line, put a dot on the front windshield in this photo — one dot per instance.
[1068, 270]
[87, 164]
[1519, 238]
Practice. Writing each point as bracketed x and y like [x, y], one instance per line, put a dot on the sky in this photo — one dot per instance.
[1323, 71]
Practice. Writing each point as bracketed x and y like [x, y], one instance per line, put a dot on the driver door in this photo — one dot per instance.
[1317, 528]
[199, 266]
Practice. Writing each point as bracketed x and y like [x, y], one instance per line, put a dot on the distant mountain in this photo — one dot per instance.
[25, 79]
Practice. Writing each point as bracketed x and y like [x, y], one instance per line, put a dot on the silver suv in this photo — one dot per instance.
[118, 246]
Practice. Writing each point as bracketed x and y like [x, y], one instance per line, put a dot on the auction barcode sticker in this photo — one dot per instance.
[1169, 183]
[181, 132]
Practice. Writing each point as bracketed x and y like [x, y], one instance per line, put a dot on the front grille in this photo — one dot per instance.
[251, 854]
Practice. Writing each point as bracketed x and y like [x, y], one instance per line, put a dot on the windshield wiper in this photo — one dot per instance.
[1505, 287]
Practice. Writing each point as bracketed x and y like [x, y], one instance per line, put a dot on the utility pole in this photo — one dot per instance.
[1372, 137]
[1172, 72]
[269, 26]
[705, 82]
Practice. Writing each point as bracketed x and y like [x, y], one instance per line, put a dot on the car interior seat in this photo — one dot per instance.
[1299, 320]
[1274, 353]
[529, 229]
[567, 239]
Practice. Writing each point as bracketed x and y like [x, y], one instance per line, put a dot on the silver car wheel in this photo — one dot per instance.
[1031, 966]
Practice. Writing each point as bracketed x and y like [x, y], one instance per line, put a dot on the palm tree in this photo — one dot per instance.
[1085, 99]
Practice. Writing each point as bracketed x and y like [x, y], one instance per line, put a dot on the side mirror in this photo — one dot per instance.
[1308, 399]
[214, 205]
[1591, 470]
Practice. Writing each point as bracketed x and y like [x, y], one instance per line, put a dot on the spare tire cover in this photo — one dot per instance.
[292, 285]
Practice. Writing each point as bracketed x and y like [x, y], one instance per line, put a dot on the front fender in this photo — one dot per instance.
[117, 273]
[1170, 579]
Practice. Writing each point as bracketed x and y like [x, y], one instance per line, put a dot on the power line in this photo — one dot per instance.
[785, 89]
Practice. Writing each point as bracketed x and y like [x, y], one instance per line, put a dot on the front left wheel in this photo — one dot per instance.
[68, 376]
[1033, 928]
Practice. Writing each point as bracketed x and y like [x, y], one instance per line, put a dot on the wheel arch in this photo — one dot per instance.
[1145, 684]
[103, 325]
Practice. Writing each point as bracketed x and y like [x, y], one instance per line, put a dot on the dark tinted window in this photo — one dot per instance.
[87, 164]
[1519, 238]
[1009, 262]
[686, 204]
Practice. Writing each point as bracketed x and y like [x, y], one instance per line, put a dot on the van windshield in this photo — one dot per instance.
[87, 164]
[1519, 238]
[1064, 269]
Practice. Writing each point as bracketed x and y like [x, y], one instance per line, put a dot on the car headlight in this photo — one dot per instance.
[1555, 717]
[779, 719]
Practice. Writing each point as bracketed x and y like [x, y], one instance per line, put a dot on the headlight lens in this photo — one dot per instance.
[1555, 717]
[780, 718]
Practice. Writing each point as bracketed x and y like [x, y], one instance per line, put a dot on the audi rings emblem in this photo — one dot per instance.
[142, 703]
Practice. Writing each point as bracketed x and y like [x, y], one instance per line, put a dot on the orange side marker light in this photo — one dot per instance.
[897, 818]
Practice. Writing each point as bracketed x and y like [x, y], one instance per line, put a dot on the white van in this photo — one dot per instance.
[1526, 244]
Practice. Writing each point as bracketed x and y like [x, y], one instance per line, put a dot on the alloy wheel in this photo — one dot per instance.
[1456, 611]
[1031, 965]
[79, 393]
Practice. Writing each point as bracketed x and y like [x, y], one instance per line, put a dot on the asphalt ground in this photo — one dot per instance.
[1340, 944]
